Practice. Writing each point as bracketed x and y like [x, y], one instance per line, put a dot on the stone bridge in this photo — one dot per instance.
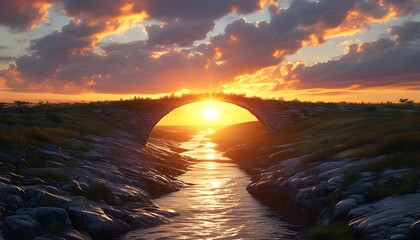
[140, 116]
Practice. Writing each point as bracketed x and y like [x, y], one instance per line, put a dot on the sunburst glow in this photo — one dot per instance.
[211, 114]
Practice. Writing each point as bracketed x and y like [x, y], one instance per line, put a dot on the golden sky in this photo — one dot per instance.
[209, 113]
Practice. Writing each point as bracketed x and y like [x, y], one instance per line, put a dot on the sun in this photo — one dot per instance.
[211, 114]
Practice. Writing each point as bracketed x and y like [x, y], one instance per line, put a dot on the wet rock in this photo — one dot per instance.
[92, 220]
[141, 218]
[70, 234]
[22, 226]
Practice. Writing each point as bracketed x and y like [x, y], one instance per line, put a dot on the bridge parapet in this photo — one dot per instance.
[141, 123]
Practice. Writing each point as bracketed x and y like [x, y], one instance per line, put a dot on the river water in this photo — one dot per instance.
[215, 203]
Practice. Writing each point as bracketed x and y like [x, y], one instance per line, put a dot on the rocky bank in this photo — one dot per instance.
[48, 192]
[354, 175]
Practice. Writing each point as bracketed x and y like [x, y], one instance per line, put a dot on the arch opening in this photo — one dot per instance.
[204, 114]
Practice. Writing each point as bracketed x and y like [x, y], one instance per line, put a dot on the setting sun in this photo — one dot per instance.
[211, 114]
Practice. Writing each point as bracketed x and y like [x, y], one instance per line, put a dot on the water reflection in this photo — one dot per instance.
[216, 204]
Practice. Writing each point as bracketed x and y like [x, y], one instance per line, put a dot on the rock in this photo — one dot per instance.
[400, 212]
[14, 200]
[343, 207]
[92, 220]
[7, 189]
[36, 196]
[22, 226]
[334, 183]
[415, 230]
[37, 181]
[2, 211]
[70, 234]
[142, 218]
[398, 236]
[52, 219]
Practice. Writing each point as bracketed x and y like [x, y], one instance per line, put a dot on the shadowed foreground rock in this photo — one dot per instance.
[95, 194]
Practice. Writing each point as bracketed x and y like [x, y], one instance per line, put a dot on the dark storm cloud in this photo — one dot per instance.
[185, 20]
[384, 62]
[20, 15]
[407, 32]
[181, 33]
[193, 10]
[49, 53]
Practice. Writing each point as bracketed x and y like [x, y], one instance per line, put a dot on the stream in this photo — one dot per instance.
[215, 204]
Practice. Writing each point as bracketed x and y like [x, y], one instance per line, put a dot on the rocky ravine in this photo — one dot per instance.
[54, 193]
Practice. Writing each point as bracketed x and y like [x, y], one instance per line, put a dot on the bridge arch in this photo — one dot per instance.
[193, 113]
[141, 121]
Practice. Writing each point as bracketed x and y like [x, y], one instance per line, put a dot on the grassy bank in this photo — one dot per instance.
[385, 139]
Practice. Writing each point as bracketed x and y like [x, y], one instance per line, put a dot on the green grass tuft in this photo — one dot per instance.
[394, 186]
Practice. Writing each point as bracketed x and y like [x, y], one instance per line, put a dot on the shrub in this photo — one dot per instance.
[395, 186]
[53, 117]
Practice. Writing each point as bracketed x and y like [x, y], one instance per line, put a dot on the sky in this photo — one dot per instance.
[324, 50]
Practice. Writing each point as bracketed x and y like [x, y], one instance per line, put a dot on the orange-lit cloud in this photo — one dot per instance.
[22, 15]
[245, 55]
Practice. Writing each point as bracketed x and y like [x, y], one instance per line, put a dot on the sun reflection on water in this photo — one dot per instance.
[215, 203]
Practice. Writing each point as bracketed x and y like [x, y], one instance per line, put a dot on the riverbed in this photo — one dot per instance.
[214, 203]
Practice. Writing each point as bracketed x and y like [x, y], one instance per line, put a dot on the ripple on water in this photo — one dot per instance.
[216, 204]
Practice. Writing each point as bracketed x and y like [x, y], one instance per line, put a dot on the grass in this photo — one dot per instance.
[395, 186]
[32, 129]
[334, 231]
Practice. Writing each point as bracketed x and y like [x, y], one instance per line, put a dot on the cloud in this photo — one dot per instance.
[20, 15]
[71, 60]
[180, 33]
[6, 59]
[407, 32]
[384, 62]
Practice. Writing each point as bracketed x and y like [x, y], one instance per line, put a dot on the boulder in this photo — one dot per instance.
[343, 207]
[52, 219]
[22, 226]
[7, 190]
[93, 220]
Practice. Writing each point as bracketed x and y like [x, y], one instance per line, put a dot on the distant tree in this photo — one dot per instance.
[403, 100]
[19, 103]
[406, 101]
